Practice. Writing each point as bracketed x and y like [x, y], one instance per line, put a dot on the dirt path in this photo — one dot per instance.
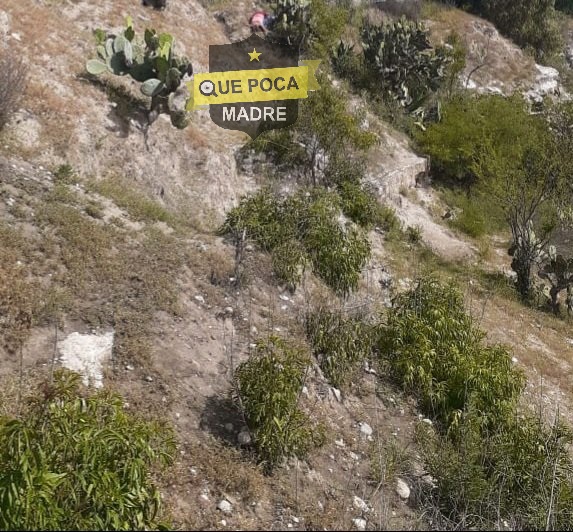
[437, 237]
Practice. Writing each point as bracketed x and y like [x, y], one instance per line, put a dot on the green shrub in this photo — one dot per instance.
[259, 215]
[475, 214]
[414, 234]
[76, 462]
[268, 386]
[325, 144]
[470, 122]
[433, 348]
[339, 343]
[520, 472]
[363, 208]
[531, 24]
[303, 229]
[338, 253]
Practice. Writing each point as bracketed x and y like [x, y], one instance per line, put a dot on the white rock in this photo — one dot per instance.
[284, 298]
[354, 456]
[201, 299]
[339, 443]
[295, 519]
[359, 524]
[427, 421]
[514, 360]
[129, 367]
[244, 438]
[223, 522]
[402, 489]
[225, 506]
[366, 429]
[305, 391]
[337, 394]
[229, 310]
[360, 504]
[86, 354]
[149, 378]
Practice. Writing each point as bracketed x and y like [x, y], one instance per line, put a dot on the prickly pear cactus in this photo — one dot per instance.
[292, 22]
[152, 62]
[408, 68]
[559, 272]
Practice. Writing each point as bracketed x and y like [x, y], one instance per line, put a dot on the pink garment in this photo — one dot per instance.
[258, 19]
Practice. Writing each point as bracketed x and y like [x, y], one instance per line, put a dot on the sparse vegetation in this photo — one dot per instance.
[340, 343]
[13, 79]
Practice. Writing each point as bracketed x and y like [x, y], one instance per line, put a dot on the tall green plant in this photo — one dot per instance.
[339, 343]
[74, 462]
[433, 348]
[268, 387]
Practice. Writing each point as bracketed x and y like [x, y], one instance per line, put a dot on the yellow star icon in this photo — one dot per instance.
[254, 55]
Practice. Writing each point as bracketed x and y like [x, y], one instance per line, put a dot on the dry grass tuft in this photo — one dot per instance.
[13, 80]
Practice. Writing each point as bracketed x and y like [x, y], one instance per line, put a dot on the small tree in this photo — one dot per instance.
[530, 189]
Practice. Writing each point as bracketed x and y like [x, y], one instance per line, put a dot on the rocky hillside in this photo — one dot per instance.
[108, 233]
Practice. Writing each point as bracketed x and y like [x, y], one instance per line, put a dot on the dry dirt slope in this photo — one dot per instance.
[124, 243]
[166, 250]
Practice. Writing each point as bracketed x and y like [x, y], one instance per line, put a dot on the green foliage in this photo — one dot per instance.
[152, 62]
[434, 349]
[457, 65]
[312, 26]
[530, 23]
[303, 229]
[467, 124]
[268, 386]
[325, 144]
[489, 462]
[76, 462]
[339, 343]
[363, 208]
[474, 212]
[520, 471]
[414, 234]
[404, 65]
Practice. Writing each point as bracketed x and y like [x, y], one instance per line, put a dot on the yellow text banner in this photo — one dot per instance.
[236, 86]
